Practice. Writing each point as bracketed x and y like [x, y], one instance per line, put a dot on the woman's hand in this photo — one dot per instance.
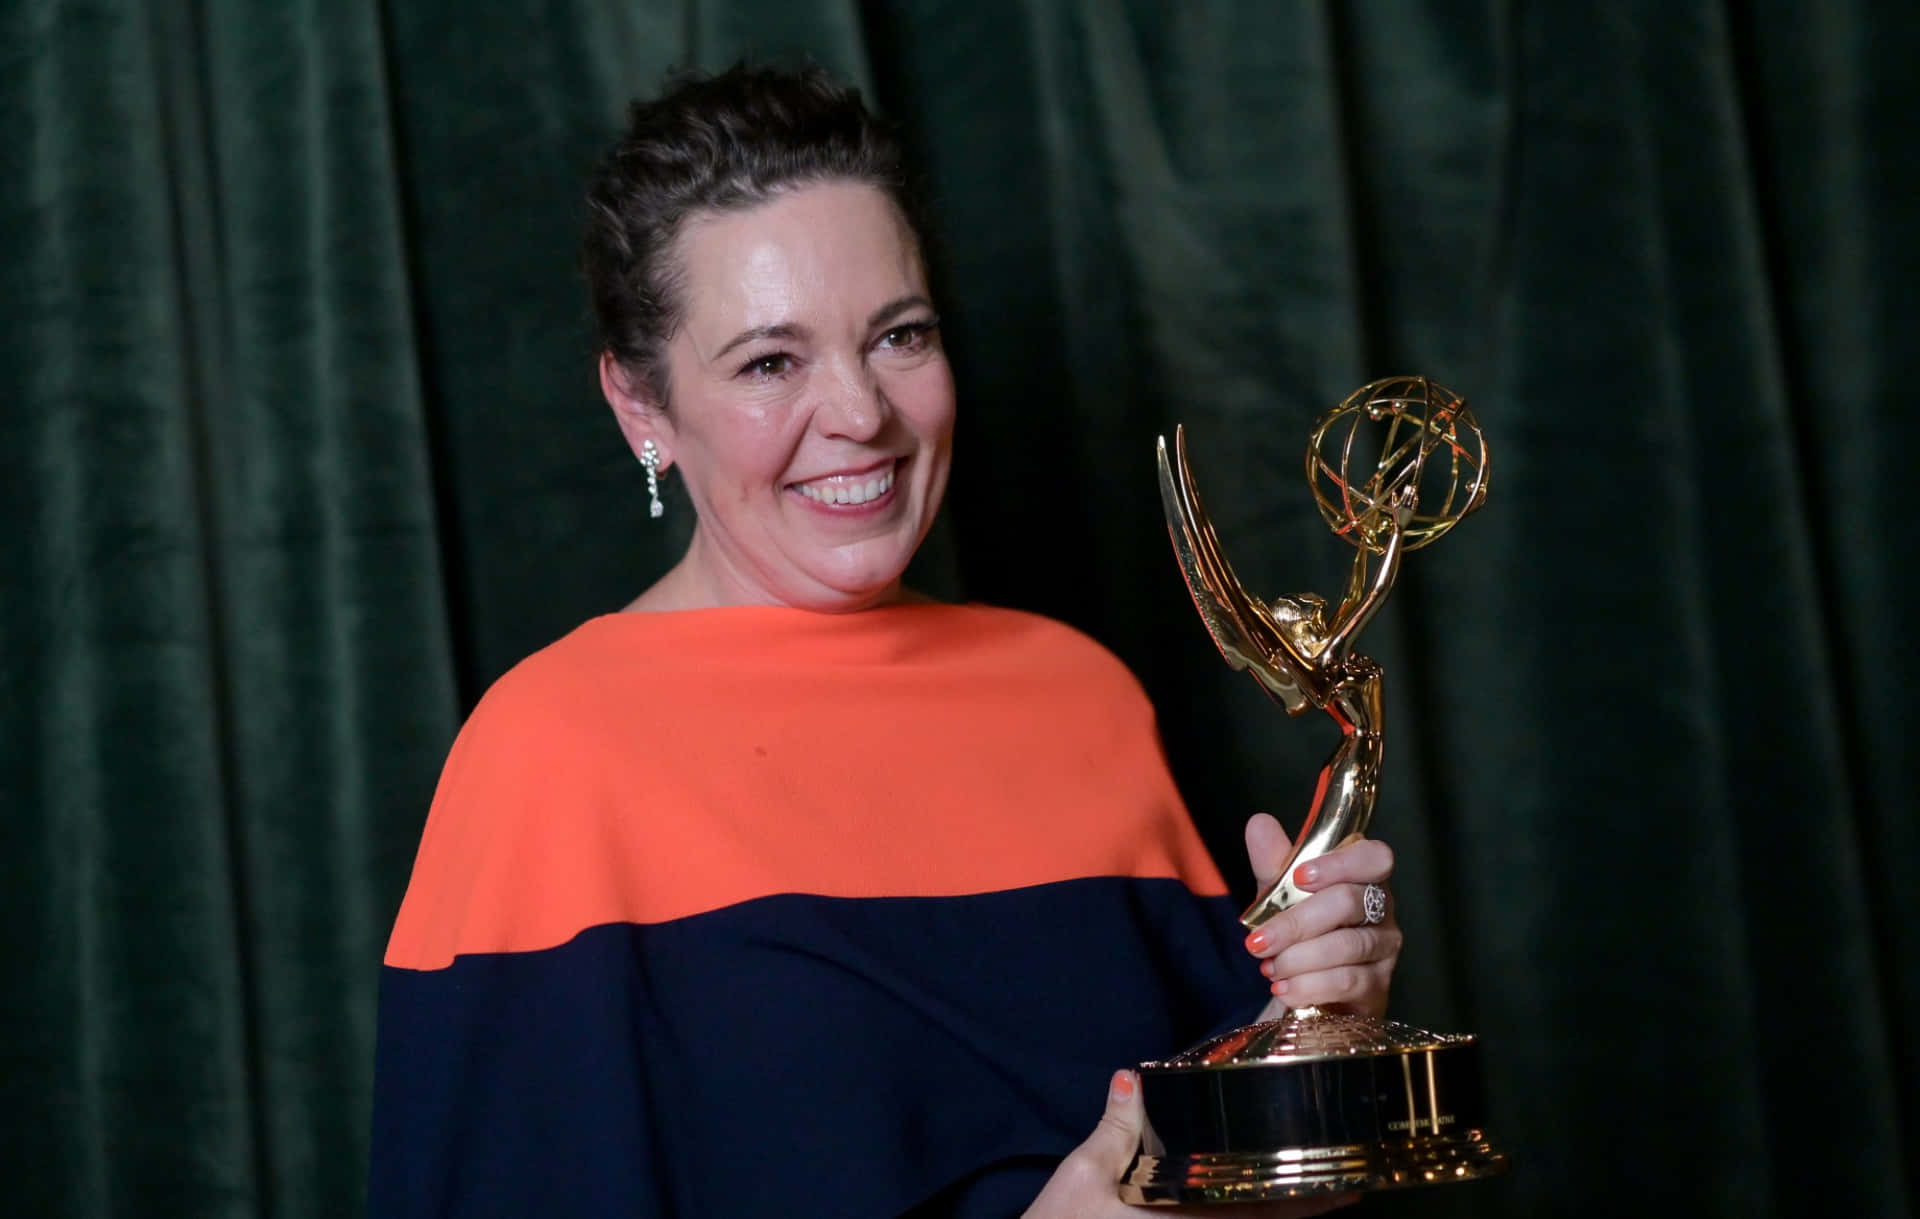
[1322, 952]
[1086, 1185]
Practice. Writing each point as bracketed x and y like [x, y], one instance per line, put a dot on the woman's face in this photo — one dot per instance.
[811, 407]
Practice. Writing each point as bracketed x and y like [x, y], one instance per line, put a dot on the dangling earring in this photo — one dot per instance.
[650, 459]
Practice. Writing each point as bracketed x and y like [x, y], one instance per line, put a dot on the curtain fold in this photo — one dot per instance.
[1827, 91]
[120, 944]
[330, 598]
[301, 448]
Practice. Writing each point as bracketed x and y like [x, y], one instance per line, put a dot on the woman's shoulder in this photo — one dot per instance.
[512, 828]
[564, 664]
[539, 736]
[1050, 645]
[571, 680]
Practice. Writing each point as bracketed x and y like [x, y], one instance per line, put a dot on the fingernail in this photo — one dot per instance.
[1280, 987]
[1266, 967]
[1306, 873]
[1257, 942]
[1122, 1086]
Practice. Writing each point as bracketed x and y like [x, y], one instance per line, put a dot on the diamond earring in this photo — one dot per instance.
[650, 459]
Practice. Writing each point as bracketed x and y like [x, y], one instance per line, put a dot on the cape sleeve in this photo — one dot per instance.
[634, 978]
[508, 1079]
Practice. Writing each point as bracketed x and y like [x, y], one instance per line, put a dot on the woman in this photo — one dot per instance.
[786, 891]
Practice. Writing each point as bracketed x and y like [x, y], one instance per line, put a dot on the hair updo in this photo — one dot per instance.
[708, 144]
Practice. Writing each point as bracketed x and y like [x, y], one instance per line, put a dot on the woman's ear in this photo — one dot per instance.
[635, 410]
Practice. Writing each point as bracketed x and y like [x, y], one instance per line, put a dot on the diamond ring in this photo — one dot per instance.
[1373, 904]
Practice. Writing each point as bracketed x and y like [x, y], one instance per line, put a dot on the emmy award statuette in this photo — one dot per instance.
[1323, 1101]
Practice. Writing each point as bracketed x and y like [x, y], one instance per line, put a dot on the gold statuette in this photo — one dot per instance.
[1323, 1101]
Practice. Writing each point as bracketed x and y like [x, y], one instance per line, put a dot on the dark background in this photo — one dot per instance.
[300, 447]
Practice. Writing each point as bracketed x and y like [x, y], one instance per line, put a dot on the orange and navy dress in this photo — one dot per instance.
[756, 911]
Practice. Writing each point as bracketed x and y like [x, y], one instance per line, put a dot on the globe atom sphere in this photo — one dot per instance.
[1388, 435]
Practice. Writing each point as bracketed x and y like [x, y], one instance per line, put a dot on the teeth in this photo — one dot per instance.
[850, 493]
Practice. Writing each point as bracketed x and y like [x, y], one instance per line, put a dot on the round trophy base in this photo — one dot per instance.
[1299, 1172]
[1316, 1102]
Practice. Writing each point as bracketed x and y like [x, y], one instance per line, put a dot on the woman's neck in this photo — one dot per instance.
[703, 580]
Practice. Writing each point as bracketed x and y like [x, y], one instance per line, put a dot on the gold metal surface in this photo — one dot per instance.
[1383, 1105]
[1309, 1034]
[1298, 653]
[1301, 1171]
[1415, 420]
[1430, 452]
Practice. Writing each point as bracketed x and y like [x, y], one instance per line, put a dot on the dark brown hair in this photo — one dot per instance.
[714, 143]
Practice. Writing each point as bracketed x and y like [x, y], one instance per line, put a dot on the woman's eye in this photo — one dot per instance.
[907, 337]
[767, 366]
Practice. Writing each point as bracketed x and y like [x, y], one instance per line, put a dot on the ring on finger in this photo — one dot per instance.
[1373, 904]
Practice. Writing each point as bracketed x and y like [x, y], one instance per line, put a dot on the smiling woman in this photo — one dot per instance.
[783, 868]
[810, 409]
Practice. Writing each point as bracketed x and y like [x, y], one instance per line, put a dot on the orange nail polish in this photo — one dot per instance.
[1257, 942]
[1280, 987]
[1122, 1085]
[1306, 874]
[1266, 967]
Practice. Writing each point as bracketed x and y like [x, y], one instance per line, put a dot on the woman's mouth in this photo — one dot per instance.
[851, 490]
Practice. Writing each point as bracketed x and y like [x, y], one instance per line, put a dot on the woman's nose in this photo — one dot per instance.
[856, 406]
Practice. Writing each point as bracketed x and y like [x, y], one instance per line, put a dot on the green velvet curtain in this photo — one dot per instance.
[301, 447]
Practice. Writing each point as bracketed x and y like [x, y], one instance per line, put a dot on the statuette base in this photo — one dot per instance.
[1314, 1103]
[1271, 1176]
